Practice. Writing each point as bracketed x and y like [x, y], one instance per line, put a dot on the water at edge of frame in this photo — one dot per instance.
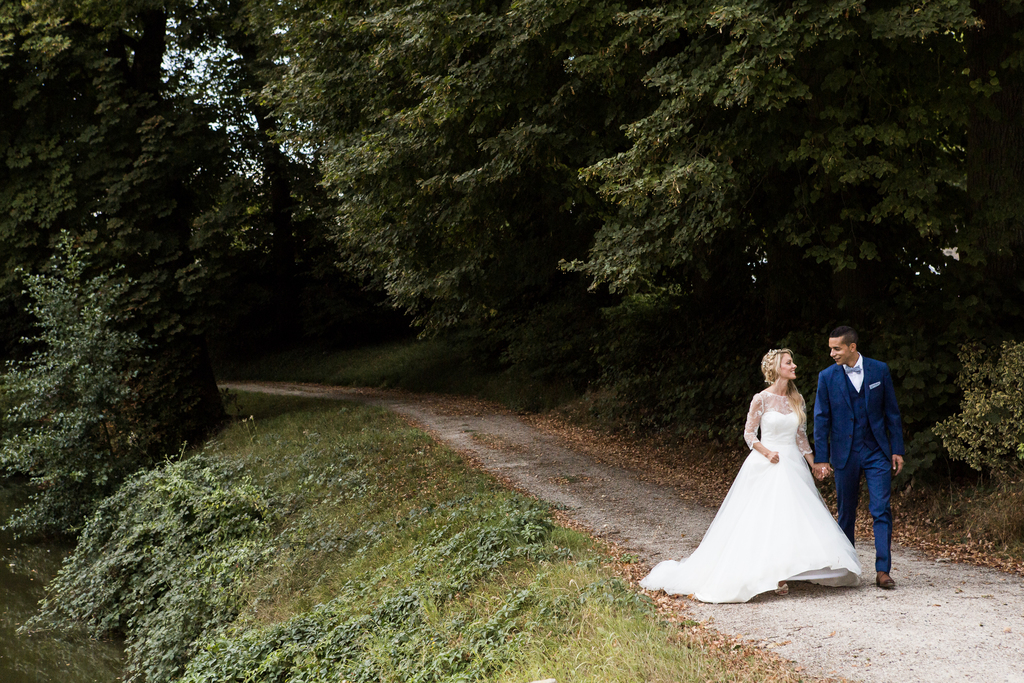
[48, 657]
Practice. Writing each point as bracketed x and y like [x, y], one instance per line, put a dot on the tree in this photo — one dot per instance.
[995, 163]
[95, 145]
[800, 126]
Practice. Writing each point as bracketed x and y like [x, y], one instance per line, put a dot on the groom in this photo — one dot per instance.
[857, 427]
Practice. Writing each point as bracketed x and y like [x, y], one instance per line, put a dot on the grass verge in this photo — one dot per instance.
[399, 562]
[322, 541]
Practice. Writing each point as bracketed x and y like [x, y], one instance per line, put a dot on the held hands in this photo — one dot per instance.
[822, 469]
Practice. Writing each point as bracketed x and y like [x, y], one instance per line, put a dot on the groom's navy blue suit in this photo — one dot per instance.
[858, 431]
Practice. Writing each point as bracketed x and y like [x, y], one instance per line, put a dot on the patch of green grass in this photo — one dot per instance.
[396, 561]
[417, 365]
[430, 365]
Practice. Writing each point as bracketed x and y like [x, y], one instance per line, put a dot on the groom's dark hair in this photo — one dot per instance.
[848, 334]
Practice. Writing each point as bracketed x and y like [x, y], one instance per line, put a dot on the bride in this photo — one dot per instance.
[773, 525]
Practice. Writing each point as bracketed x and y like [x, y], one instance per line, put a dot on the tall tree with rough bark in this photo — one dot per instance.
[98, 142]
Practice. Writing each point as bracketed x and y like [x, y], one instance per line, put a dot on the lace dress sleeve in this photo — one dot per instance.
[802, 442]
[754, 421]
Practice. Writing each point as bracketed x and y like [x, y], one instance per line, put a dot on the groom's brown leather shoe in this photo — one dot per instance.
[883, 580]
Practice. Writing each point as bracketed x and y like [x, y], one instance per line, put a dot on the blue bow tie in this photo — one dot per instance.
[855, 370]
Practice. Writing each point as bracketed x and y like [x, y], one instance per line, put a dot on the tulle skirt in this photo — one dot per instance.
[773, 526]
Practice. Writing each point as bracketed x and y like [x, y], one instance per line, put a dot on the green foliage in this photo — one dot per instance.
[70, 426]
[554, 342]
[454, 131]
[161, 562]
[922, 355]
[776, 190]
[988, 432]
[669, 370]
[105, 133]
[769, 124]
[402, 564]
[776, 167]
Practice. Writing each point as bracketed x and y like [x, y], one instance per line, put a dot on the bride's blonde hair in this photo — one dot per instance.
[770, 365]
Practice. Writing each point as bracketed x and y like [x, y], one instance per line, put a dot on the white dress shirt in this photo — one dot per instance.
[857, 378]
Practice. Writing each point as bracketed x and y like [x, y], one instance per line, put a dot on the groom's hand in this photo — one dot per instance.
[897, 464]
[821, 470]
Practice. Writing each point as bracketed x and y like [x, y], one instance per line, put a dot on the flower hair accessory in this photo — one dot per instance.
[770, 366]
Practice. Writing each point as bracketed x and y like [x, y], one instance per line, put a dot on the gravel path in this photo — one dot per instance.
[944, 622]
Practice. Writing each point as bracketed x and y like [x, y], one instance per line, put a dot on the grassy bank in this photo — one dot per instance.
[323, 541]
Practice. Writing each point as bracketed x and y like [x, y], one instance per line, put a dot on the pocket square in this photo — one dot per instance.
[872, 386]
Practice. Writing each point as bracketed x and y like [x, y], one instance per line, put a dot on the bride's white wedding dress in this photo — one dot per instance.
[772, 526]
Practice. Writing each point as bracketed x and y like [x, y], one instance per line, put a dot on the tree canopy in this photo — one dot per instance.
[636, 195]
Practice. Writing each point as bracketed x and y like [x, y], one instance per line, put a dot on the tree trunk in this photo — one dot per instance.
[187, 385]
[286, 318]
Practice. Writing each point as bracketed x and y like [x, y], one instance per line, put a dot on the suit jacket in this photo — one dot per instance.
[833, 413]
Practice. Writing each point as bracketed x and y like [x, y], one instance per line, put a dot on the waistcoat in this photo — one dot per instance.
[863, 438]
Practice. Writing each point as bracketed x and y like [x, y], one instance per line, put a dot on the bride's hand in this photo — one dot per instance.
[773, 456]
[821, 470]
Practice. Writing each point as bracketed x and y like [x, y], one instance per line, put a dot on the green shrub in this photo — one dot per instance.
[668, 368]
[162, 562]
[68, 427]
[988, 432]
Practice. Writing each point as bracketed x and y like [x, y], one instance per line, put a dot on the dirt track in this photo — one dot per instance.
[944, 622]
